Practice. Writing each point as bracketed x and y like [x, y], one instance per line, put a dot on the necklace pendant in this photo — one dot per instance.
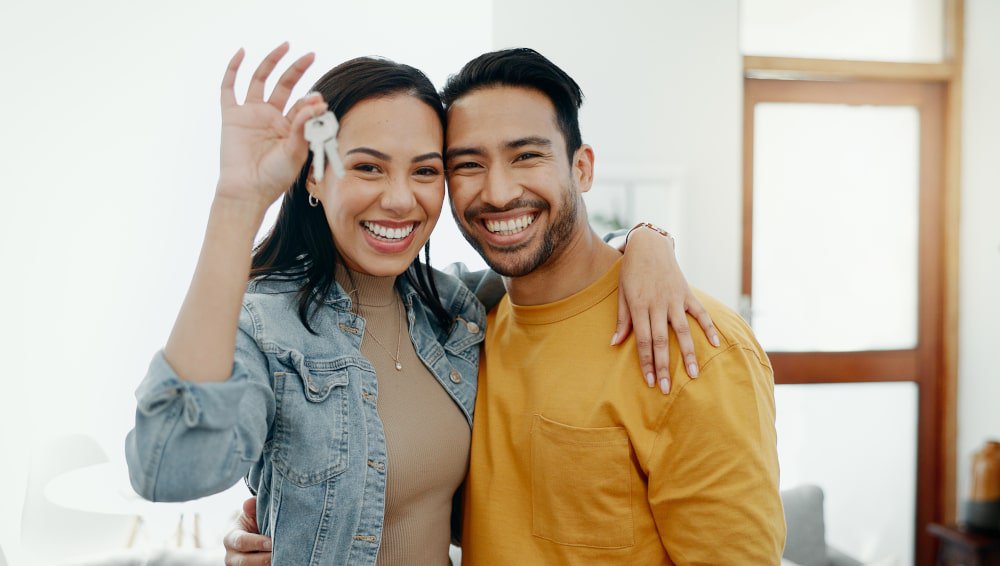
[399, 366]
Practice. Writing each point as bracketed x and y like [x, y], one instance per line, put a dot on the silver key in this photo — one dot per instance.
[331, 152]
[318, 131]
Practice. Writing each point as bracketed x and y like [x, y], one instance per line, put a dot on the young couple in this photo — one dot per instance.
[341, 381]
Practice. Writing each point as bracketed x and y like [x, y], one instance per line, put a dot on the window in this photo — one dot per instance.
[849, 269]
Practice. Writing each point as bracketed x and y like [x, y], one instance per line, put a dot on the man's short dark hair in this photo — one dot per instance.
[523, 67]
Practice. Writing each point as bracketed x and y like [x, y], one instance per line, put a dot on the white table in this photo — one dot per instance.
[105, 488]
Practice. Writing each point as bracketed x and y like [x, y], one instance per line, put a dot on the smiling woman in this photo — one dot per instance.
[384, 209]
[306, 406]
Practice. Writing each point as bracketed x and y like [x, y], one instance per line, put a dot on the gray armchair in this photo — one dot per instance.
[805, 541]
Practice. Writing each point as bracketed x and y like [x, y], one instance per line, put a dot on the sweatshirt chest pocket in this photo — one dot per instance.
[310, 443]
[581, 492]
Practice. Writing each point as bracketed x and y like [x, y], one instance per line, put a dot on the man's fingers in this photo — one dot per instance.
[250, 507]
[661, 348]
[679, 322]
[624, 325]
[242, 541]
[236, 559]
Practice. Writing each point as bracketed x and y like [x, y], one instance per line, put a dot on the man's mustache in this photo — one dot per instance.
[473, 211]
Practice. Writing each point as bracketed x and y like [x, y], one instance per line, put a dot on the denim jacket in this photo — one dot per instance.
[297, 417]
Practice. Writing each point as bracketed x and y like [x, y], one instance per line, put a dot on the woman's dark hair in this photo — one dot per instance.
[299, 245]
[523, 67]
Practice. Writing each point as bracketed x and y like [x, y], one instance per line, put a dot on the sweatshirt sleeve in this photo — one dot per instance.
[713, 481]
[193, 439]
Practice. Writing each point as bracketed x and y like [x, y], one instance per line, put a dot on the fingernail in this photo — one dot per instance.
[693, 370]
[614, 339]
[267, 544]
[665, 385]
[715, 340]
[649, 379]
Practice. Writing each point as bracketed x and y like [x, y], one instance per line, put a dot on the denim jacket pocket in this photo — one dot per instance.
[310, 443]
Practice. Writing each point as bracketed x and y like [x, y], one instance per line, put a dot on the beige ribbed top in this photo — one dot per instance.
[427, 436]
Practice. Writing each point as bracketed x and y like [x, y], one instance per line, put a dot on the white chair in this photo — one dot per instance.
[51, 534]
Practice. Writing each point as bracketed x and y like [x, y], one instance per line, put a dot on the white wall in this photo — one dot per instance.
[664, 91]
[979, 327]
[100, 233]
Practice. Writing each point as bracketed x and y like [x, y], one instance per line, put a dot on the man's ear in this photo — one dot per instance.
[583, 167]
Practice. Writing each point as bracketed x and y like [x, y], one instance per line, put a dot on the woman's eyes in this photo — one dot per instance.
[427, 172]
[375, 169]
[367, 168]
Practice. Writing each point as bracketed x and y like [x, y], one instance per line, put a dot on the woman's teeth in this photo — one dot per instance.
[387, 233]
[508, 227]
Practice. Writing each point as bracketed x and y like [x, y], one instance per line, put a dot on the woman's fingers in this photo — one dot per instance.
[624, 324]
[704, 319]
[296, 144]
[229, 79]
[306, 108]
[288, 80]
[679, 322]
[644, 343]
[256, 91]
[661, 347]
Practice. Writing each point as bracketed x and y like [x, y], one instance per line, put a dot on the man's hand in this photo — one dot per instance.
[245, 546]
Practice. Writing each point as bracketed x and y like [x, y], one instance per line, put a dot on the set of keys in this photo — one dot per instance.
[321, 133]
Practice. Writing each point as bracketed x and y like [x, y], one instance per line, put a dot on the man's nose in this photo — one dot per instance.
[500, 188]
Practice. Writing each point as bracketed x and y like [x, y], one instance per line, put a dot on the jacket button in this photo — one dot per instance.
[455, 376]
[473, 327]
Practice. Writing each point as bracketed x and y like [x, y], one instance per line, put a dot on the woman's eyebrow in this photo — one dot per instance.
[426, 156]
[372, 152]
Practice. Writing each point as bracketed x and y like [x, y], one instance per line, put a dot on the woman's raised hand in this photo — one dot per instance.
[263, 148]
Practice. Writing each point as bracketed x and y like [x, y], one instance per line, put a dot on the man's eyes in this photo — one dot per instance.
[526, 156]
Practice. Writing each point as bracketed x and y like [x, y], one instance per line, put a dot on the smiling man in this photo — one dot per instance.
[596, 473]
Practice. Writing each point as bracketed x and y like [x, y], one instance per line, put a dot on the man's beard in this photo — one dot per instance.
[507, 261]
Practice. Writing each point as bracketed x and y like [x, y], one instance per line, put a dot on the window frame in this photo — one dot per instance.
[936, 89]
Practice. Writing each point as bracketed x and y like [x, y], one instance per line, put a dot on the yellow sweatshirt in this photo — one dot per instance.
[576, 461]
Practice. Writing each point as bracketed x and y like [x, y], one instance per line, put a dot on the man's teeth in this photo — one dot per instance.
[508, 227]
[389, 233]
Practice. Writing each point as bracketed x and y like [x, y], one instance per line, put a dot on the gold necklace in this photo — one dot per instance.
[399, 327]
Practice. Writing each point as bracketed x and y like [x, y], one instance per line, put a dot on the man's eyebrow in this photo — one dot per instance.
[530, 140]
[426, 156]
[372, 152]
[454, 152]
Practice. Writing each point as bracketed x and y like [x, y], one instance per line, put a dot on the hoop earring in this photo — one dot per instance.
[313, 201]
